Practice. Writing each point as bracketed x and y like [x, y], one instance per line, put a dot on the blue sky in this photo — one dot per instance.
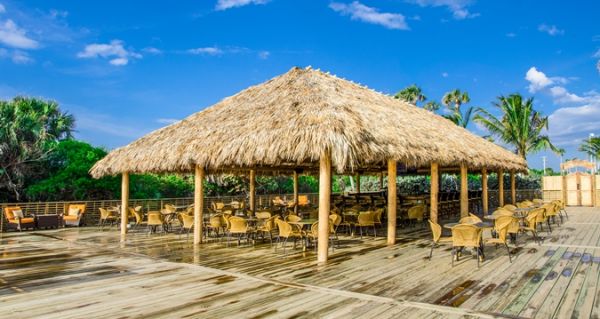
[125, 68]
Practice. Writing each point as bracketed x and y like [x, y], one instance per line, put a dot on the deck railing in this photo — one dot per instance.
[92, 213]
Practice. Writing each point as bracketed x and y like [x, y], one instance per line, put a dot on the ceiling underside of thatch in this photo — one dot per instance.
[290, 121]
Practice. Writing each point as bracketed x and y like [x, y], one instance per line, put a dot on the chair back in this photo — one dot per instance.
[285, 229]
[235, 204]
[293, 218]
[269, 224]
[136, 214]
[465, 235]
[366, 219]
[187, 220]
[81, 208]
[155, 218]
[532, 217]
[416, 212]
[314, 230]
[538, 201]
[335, 219]
[469, 220]
[8, 212]
[218, 205]
[475, 217]
[217, 221]
[104, 213]
[436, 231]
[263, 214]
[303, 200]
[510, 207]
[502, 212]
[237, 224]
[377, 215]
[502, 226]
[550, 209]
[170, 208]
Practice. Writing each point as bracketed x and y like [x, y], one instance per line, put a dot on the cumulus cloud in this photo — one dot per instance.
[152, 50]
[15, 37]
[114, 51]
[360, 12]
[20, 57]
[206, 51]
[550, 29]
[538, 80]
[562, 96]
[457, 7]
[228, 4]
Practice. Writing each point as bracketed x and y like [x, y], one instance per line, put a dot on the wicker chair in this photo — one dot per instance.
[136, 214]
[187, 223]
[510, 207]
[17, 220]
[313, 235]
[502, 212]
[264, 214]
[107, 217]
[552, 211]
[155, 219]
[501, 227]
[538, 201]
[267, 228]
[561, 208]
[286, 231]
[74, 215]
[366, 219]
[530, 223]
[377, 217]
[238, 226]
[416, 213]
[436, 231]
[465, 235]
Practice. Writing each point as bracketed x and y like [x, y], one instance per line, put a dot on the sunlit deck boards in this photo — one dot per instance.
[90, 274]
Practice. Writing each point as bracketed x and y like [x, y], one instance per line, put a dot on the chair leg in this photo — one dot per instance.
[477, 253]
[549, 227]
[452, 254]
[508, 251]
[431, 251]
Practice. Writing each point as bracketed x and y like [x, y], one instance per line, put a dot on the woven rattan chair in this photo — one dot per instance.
[470, 220]
[155, 219]
[74, 215]
[286, 231]
[538, 201]
[292, 218]
[552, 211]
[561, 208]
[415, 214]
[465, 235]
[501, 227]
[239, 226]
[313, 235]
[377, 213]
[543, 218]
[436, 232]
[510, 207]
[17, 220]
[366, 219]
[530, 223]
[502, 212]
[136, 215]
[107, 217]
[187, 223]
[267, 228]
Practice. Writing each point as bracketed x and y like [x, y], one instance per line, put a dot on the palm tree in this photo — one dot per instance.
[456, 98]
[591, 146]
[411, 94]
[432, 106]
[459, 118]
[520, 125]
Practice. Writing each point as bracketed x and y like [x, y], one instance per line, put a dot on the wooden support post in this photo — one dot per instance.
[500, 188]
[296, 192]
[324, 205]
[358, 183]
[391, 234]
[252, 191]
[464, 191]
[484, 191]
[124, 203]
[513, 188]
[198, 203]
[433, 212]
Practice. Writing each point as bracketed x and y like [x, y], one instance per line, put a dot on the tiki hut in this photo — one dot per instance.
[309, 121]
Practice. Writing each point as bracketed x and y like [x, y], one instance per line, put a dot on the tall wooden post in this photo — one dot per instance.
[391, 234]
[433, 212]
[296, 192]
[124, 203]
[252, 191]
[484, 191]
[500, 188]
[513, 188]
[324, 205]
[198, 203]
[358, 183]
[464, 191]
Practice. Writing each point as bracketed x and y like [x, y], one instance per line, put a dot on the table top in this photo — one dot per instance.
[307, 221]
[480, 225]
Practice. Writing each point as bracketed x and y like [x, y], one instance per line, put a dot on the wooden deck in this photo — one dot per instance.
[75, 273]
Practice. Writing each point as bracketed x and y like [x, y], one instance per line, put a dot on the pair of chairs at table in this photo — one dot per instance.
[466, 234]
[17, 219]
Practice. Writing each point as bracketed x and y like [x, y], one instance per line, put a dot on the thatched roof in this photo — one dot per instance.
[292, 119]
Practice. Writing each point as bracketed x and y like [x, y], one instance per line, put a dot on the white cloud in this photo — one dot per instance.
[597, 54]
[13, 36]
[562, 96]
[166, 121]
[206, 51]
[228, 4]
[264, 55]
[598, 66]
[457, 7]
[550, 29]
[115, 51]
[2, 8]
[20, 57]
[358, 11]
[537, 80]
[152, 50]
[58, 13]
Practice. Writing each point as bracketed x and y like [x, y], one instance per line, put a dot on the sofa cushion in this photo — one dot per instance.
[70, 217]
[23, 220]
[74, 211]
[17, 213]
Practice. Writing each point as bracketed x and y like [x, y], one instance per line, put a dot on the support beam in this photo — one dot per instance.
[464, 191]
[124, 204]
[324, 205]
[391, 234]
[433, 200]
[484, 191]
[296, 192]
[513, 188]
[358, 183]
[198, 203]
[252, 191]
[500, 188]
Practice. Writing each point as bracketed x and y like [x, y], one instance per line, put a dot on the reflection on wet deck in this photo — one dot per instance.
[90, 273]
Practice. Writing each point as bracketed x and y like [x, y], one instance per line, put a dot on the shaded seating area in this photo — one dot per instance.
[314, 123]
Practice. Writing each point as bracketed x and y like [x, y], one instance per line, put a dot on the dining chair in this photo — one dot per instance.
[416, 214]
[466, 235]
[531, 225]
[107, 217]
[239, 226]
[286, 231]
[187, 223]
[155, 219]
[436, 232]
[313, 235]
[365, 219]
[501, 227]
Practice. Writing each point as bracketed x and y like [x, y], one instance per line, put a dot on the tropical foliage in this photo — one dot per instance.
[591, 146]
[453, 101]
[411, 94]
[520, 125]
